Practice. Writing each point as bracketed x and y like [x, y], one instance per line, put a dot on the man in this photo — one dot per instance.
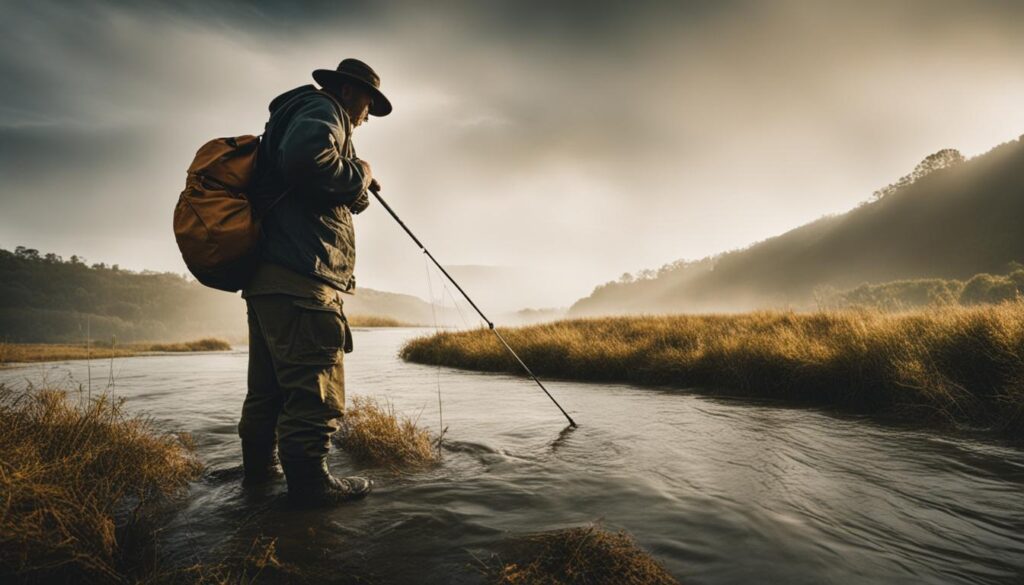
[308, 185]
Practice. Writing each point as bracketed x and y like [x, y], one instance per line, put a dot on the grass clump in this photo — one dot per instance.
[373, 433]
[586, 555]
[960, 364]
[80, 484]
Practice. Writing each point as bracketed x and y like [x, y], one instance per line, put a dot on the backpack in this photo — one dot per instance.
[215, 224]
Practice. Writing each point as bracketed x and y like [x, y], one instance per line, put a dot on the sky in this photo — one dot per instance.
[550, 145]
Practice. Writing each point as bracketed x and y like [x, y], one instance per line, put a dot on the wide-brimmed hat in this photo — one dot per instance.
[351, 70]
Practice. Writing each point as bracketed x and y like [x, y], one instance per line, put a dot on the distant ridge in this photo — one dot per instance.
[953, 219]
[46, 299]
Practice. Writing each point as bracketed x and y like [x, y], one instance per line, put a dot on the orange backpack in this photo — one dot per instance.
[215, 224]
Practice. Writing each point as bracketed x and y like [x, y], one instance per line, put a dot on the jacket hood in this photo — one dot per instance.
[291, 94]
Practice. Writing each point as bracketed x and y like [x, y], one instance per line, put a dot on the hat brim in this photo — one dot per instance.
[332, 79]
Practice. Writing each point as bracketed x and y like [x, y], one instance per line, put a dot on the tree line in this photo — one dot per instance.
[45, 298]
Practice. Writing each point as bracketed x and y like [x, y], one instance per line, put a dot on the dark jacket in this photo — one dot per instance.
[307, 154]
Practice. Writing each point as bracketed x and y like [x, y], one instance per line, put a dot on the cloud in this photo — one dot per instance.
[600, 136]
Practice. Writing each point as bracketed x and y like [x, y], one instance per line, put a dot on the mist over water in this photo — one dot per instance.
[722, 491]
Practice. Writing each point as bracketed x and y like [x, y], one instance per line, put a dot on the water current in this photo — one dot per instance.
[722, 491]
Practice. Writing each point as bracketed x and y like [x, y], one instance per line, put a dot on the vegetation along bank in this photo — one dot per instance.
[50, 352]
[954, 364]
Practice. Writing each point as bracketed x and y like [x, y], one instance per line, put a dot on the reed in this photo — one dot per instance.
[373, 433]
[958, 364]
[81, 484]
[588, 555]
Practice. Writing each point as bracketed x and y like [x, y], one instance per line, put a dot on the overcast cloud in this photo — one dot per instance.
[576, 140]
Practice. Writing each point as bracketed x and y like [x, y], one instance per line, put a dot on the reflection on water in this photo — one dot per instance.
[721, 491]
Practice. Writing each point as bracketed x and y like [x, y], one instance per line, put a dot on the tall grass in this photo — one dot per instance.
[80, 484]
[961, 364]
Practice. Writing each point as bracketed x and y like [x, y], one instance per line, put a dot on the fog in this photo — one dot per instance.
[554, 146]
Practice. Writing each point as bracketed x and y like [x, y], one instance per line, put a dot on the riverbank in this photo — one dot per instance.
[963, 365]
[49, 352]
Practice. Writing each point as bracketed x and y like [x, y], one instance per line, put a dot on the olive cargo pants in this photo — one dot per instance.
[296, 381]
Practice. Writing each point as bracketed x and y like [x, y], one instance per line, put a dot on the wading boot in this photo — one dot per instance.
[260, 464]
[310, 484]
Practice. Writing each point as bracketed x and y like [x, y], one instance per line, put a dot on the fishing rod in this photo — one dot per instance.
[490, 324]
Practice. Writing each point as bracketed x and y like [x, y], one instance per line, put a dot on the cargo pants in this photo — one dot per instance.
[296, 380]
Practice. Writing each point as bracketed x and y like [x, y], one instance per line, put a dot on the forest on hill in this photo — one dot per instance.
[948, 219]
[45, 298]
[899, 295]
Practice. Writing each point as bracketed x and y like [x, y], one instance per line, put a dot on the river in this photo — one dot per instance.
[722, 491]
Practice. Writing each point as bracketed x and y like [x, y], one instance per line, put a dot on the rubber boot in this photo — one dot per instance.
[310, 484]
[260, 464]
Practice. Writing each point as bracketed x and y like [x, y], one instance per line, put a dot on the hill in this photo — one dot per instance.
[46, 299]
[948, 219]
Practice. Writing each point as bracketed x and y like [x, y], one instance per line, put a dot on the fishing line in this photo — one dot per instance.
[433, 312]
[490, 324]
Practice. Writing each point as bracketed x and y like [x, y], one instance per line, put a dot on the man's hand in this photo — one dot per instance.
[363, 201]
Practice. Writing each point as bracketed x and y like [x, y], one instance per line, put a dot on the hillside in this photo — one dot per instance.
[949, 220]
[46, 299]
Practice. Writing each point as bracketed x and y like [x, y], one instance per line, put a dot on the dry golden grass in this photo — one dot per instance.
[80, 483]
[587, 555]
[373, 433]
[49, 352]
[375, 321]
[205, 344]
[961, 364]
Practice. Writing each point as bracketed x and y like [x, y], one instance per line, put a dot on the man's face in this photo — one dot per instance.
[356, 102]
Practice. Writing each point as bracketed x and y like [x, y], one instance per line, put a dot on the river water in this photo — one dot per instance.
[721, 491]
